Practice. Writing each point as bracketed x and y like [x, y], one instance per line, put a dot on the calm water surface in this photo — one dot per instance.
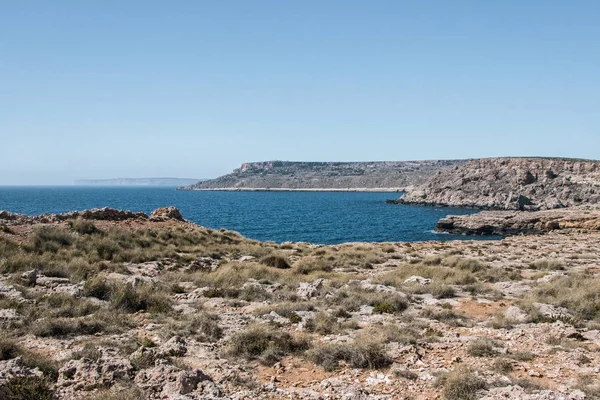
[317, 217]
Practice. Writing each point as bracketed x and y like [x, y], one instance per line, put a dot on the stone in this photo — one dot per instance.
[169, 382]
[514, 313]
[553, 312]
[85, 373]
[308, 290]
[174, 347]
[166, 214]
[418, 280]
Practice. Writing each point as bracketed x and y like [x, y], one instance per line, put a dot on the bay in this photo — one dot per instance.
[316, 217]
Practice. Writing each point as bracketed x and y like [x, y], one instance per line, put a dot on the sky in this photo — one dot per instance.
[106, 89]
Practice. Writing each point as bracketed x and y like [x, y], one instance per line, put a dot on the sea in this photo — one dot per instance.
[315, 217]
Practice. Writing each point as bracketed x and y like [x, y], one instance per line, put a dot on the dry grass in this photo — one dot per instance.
[265, 343]
[364, 352]
[460, 384]
[579, 293]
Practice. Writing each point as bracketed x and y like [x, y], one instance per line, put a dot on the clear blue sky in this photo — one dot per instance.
[100, 89]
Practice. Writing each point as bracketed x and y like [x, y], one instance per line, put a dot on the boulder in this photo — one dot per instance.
[418, 280]
[87, 374]
[166, 381]
[307, 290]
[515, 314]
[166, 214]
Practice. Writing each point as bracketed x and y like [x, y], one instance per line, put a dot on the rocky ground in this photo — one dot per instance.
[106, 305]
[528, 184]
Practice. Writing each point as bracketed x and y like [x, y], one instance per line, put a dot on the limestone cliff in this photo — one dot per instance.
[512, 184]
[281, 175]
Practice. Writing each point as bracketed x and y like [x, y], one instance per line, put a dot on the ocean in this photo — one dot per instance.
[316, 217]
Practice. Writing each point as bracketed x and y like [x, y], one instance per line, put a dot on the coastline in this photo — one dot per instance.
[391, 190]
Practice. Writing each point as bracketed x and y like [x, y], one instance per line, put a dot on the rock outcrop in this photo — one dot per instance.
[512, 184]
[282, 175]
[165, 214]
[95, 214]
[506, 223]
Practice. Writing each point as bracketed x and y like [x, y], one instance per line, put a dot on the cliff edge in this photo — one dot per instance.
[529, 184]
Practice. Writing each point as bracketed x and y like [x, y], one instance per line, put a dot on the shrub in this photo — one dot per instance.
[130, 299]
[51, 239]
[521, 355]
[546, 263]
[89, 351]
[406, 374]
[502, 365]
[460, 384]
[363, 352]
[447, 317]
[106, 248]
[384, 308]
[60, 327]
[275, 261]
[65, 305]
[482, 347]
[322, 323]
[352, 300]
[579, 293]
[441, 291]
[311, 264]
[468, 264]
[264, 343]
[26, 388]
[208, 327]
[83, 226]
[97, 287]
[8, 349]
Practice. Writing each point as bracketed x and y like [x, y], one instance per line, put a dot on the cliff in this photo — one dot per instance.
[512, 184]
[282, 175]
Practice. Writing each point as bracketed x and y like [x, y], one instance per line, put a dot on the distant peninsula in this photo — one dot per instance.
[327, 176]
[138, 182]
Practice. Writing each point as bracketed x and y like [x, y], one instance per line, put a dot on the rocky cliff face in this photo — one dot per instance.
[512, 184]
[327, 175]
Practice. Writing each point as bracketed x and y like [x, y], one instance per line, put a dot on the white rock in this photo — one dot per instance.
[419, 280]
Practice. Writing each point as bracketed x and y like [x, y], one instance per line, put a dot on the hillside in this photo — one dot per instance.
[512, 184]
[137, 182]
[282, 175]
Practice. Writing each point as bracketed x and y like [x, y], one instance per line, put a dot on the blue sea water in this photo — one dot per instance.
[317, 217]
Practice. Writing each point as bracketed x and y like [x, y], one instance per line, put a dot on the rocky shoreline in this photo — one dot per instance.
[505, 223]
